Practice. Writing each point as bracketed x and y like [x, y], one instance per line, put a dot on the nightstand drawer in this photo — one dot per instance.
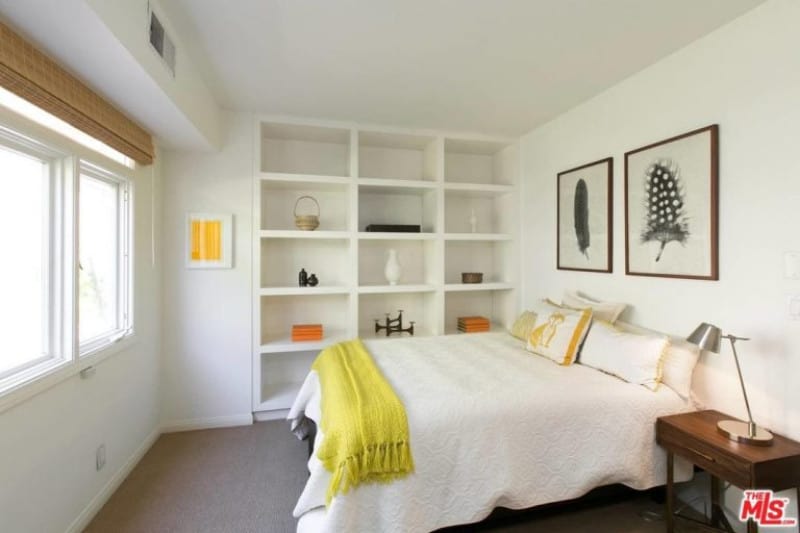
[707, 457]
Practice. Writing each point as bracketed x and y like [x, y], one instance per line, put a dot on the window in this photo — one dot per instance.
[65, 267]
[103, 281]
[25, 238]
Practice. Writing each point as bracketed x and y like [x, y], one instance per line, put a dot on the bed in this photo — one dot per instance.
[491, 425]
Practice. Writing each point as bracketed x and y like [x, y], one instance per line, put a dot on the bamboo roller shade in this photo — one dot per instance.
[32, 75]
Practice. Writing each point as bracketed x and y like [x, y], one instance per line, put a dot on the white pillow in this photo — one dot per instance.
[679, 363]
[633, 358]
[608, 311]
[558, 333]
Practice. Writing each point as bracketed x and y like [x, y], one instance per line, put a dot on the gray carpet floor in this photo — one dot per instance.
[247, 480]
[244, 479]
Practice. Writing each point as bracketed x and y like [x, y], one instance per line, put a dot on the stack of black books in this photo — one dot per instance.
[394, 228]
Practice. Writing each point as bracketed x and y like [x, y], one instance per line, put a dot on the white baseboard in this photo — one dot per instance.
[83, 519]
[276, 414]
[207, 423]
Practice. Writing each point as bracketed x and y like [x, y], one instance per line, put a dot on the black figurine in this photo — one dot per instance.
[302, 278]
[394, 325]
[312, 280]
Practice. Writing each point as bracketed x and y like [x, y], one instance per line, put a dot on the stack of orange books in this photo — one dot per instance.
[473, 324]
[306, 332]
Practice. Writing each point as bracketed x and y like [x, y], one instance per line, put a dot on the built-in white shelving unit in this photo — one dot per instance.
[462, 192]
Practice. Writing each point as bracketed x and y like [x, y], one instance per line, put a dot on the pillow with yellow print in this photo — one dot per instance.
[526, 321]
[558, 334]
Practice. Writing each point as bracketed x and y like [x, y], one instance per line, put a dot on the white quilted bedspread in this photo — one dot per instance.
[493, 425]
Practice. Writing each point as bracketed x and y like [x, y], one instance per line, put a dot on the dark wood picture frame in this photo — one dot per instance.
[584, 217]
[671, 207]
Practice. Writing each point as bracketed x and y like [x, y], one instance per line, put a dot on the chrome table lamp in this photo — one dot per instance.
[708, 337]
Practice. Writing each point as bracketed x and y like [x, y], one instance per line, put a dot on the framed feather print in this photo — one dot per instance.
[671, 218]
[584, 208]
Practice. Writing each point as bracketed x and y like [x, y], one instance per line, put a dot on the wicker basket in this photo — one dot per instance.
[306, 222]
[472, 277]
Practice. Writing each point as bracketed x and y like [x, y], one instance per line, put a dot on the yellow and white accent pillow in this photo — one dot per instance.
[526, 321]
[633, 358]
[558, 334]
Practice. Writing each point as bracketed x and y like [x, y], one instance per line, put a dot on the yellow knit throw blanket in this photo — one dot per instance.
[364, 425]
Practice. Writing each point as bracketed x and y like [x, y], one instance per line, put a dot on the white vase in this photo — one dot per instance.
[473, 221]
[392, 270]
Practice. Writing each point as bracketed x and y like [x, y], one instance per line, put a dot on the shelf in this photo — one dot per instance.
[480, 162]
[282, 260]
[304, 150]
[301, 234]
[282, 180]
[417, 260]
[396, 155]
[278, 313]
[478, 190]
[278, 395]
[394, 186]
[301, 291]
[477, 237]
[388, 289]
[491, 286]
[474, 147]
[279, 198]
[304, 132]
[393, 202]
[379, 235]
[419, 307]
[493, 328]
[493, 258]
[462, 193]
[284, 344]
[369, 334]
[499, 306]
[490, 208]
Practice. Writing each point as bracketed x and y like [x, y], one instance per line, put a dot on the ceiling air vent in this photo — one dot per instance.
[161, 42]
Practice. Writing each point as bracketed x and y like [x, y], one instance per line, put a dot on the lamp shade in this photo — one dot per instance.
[707, 337]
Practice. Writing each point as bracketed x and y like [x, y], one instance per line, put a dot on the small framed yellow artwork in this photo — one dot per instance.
[209, 240]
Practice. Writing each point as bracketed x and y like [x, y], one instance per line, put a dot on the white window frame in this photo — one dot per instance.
[60, 252]
[124, 259]
[67, 159]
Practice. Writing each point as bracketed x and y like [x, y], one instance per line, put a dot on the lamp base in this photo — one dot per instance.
[739, 431]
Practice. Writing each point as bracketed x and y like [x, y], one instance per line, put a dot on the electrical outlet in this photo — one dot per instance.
[100, 457]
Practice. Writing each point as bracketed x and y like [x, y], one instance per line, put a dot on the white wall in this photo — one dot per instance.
[745, 77]
[48, 443]
[207, 313]
[187, 89]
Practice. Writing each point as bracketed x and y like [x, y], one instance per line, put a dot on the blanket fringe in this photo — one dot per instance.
[381, 463]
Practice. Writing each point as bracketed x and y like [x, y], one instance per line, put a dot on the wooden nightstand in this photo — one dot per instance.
[694, 437]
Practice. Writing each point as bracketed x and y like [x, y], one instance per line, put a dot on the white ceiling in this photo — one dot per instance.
[498, 67]
[87, 48]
